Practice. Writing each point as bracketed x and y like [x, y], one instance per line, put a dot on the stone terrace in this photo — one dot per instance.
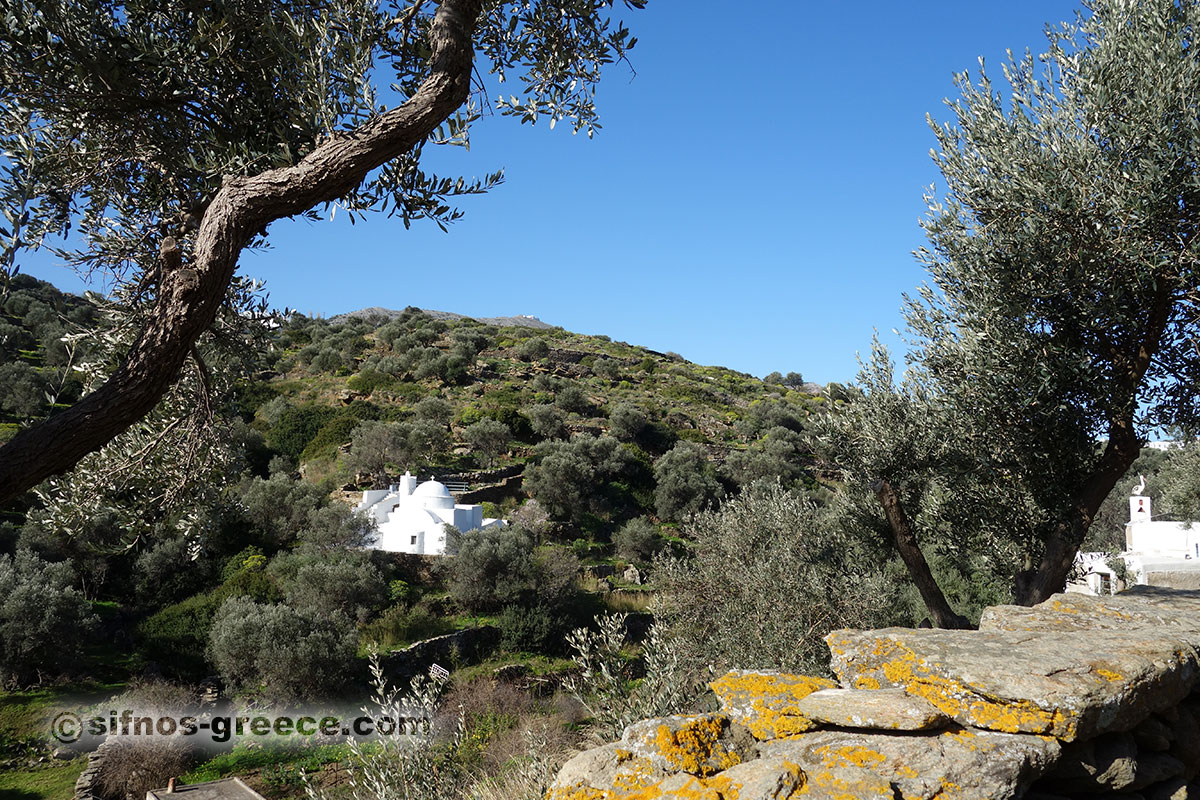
[1077, 697]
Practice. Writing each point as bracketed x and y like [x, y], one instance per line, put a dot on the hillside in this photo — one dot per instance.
[546, 385]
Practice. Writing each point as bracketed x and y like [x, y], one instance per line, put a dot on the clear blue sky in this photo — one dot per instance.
[752, 201]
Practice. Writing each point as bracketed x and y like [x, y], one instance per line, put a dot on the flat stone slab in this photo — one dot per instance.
[1066, 684]
[766, 702]
[1079, 612]
[961, 763]
[878, 709]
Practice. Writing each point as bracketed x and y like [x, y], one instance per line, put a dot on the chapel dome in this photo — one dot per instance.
[432, 494]
[431, 489]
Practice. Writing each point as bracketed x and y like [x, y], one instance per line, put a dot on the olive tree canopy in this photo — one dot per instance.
[1059, 328]
[167, 136]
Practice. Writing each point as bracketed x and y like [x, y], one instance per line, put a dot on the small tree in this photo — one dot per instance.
[1058, 327]
[488, 439]
[626, 421]
[533, 349]
[767, 578]
[547, 421]
[494, 567]
[684, 482]
[374, 446]
[44, 621]
[638, 540]
[286, 654]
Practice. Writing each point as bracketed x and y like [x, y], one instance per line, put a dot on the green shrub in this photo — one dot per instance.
[176, 637]
[282, 653]
[532, 349]
[536, 629]
[44, 620]
[401, 625]
[369, 380]
[637, 540]
[494, 567]
[296, 428]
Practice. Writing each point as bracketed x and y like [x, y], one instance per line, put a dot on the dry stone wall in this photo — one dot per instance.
[1076, 697]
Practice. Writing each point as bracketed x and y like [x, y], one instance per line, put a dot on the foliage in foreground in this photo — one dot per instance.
[768, 576]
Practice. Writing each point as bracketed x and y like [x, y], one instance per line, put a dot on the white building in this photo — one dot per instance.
[411, 518]
[1157, 553]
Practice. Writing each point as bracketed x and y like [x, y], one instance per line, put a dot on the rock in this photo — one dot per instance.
[1186, 744]
[632, 575]
[1105, 764]
[700, 745]
[1153, 735]
[765, 702]
[603, 772]
[1077, 612]
[879, 709]
[762, 779]
[959, 762]
[63, 753]
[1175, 789]
[1155, 768]
[1070, 684]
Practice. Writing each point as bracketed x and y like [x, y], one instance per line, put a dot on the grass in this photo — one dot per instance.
[241, 760]
[54, 781]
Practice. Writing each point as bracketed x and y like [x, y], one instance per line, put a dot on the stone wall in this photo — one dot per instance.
[1077, 697]
[468, 646]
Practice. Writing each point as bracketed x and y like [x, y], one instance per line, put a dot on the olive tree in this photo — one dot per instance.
[168, 140]
[1059, 321]
[488, 439]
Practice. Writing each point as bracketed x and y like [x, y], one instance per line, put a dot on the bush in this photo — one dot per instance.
[348, 584]
[369, 380]
[296, 428]
[177, 636]
[571, 479]
[494, 568]
[626, 422]
[637, 540]
[547, 421]
[536, 629]
[532, 349]
[769, 576]
[44, 620]
[135, 765]
[488, 439]
[684, 482]
[401, 625]
[286, 654]
[570, 397]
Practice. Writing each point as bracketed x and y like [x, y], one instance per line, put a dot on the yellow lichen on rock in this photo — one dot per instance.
[695, 746]
[766, 702]
[902, 667]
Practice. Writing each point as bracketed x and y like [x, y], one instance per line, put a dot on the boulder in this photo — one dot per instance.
[700, 745]
[1067, 684]
[766, 702]
[958, 762]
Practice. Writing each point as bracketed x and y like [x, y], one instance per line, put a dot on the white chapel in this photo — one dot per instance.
[1157, 553]
[411, 518]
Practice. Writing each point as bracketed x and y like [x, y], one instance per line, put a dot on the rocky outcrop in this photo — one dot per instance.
[1076, 697]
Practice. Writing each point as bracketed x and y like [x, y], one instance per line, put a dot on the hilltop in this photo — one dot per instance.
[518, 321]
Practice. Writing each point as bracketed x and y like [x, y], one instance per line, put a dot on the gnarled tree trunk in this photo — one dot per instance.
[191, 294]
